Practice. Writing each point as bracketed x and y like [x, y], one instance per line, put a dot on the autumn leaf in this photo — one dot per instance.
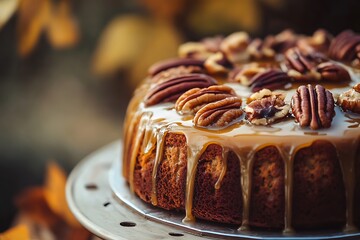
[20, 232]
[55, 19]
[120, 44]
[33, 17]
[32, 203]
[55, 193]
[62, 28]
[7, 9]
[133, 43]
[162, 43]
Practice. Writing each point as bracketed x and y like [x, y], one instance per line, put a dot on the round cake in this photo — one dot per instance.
[260, 133]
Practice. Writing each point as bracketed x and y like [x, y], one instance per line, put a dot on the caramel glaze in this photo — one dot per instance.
[146, 128]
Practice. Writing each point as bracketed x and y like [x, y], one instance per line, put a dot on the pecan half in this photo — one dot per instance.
[194, 99]
[310, 66]
[350, 100]
[217, 63]
[266, 107]
[258, 50]
[344, 46]
[176, 72]
[313, 107]
[234, 47]
[173, 63]
[271, 79]
[332, 72]
[300, 65]
[319, 41]
[200, 50]
[219, 114]
[282, 41]
[244, 74]
[171, 89]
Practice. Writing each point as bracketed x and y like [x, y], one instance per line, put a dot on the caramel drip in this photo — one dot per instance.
[225, 153]
[246, 164]
[194, 153]
[288, 155]
[160, 136]
[347, 157]
[144, 121]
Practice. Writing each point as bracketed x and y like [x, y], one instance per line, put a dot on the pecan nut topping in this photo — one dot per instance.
[171, 89]
[345, 46]
[235, 46]
[175, 72]
[301, 65]
[219, 114]
[319, 41]
[350, 100]
[271, 79]
[217, 63]
[282, 41]
[332, 72]
[200, 50]
[311, 66]
[174, 63]
[258, 50]
[244, 74]
[266, 107]
[191, 101]
[313, 107]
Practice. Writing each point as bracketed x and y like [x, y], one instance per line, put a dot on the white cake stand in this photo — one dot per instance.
[100, 199]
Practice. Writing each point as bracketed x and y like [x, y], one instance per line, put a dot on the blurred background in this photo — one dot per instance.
[68, 68]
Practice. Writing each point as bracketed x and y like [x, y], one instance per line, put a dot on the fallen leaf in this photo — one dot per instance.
[33, 17]
[7, 9]
[120, 44]
[62, 29]
[55, 194]
[20, 232]
[31, 202]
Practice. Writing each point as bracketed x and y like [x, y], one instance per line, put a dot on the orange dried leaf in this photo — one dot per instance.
[7, 9]
[31, 202]
[33, 17]
[20, 232]
[55, 193]
[62, 29]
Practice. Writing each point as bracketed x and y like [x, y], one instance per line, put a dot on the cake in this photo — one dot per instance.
[257, 133]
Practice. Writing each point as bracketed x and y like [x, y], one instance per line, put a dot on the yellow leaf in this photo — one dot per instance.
[55, 193]
[162, 42]
[62, 29]
[33, 17]
[7, 9]
[20, 232]
[121, 43]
